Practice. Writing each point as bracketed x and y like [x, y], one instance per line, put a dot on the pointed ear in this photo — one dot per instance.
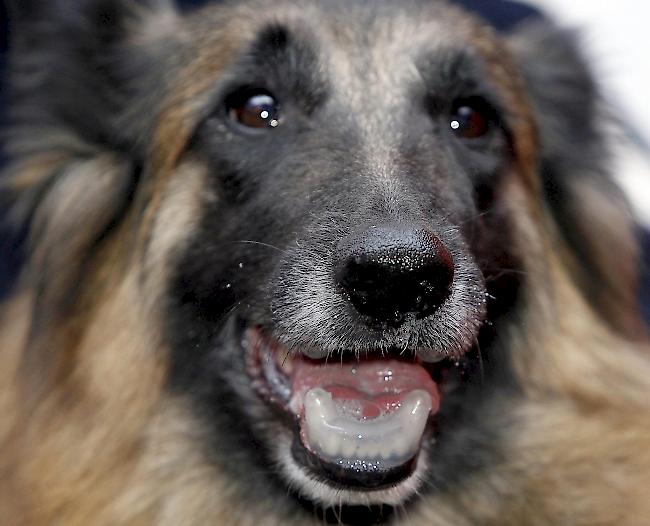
[78, 68]
[590, 211]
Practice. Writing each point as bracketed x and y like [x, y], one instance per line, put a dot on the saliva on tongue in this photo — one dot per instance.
[368, 412]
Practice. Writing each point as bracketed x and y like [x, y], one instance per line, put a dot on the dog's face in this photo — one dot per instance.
[336, 287]
[338, 212]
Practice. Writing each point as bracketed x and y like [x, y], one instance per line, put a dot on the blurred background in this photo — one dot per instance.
[616, 39]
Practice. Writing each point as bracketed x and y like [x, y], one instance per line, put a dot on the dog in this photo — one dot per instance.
[291, 262]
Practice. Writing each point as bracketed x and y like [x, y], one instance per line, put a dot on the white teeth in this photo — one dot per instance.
[349, 447]
[386, 450]
[332, 445]
[372, 450]
[393, 437]
[401, 448]
[321, 406]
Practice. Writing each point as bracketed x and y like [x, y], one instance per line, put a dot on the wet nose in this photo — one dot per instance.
[391, 271]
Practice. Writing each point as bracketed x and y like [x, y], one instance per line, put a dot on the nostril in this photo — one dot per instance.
[391, 271]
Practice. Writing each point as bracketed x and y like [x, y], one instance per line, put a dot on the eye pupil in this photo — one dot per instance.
[469, 121]
[254, 110]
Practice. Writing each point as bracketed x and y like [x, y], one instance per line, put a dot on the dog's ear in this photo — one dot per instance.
[589, 210]
[84, 81]
[85, 77]
[78, 69]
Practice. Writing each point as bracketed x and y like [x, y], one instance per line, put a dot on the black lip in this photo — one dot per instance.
[357, 474]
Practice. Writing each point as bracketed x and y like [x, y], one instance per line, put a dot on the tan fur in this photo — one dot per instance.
[579, 448]
[101, 442]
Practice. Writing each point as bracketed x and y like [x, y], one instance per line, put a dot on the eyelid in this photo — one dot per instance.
[480, 103]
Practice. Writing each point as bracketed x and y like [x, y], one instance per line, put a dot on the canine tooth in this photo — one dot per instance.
[430, 355]
[414, 414]
[314, 353]
[319, 411]
[416, 404]
[319, 404]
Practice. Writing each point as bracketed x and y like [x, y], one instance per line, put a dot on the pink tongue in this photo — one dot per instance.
[378, 386]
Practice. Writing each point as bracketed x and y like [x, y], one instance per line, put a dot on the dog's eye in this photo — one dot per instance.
[254, 109]
[470, 119]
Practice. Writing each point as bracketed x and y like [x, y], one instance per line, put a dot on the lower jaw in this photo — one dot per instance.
[345, 481]
[324, 489]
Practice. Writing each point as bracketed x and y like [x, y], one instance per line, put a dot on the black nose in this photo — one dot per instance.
[394, 270]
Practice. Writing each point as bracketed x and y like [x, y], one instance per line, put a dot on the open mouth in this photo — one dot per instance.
[360, 422]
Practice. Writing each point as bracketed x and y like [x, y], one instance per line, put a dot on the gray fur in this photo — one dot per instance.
[368, 89]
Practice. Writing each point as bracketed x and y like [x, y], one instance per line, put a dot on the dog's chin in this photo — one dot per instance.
[349, 430]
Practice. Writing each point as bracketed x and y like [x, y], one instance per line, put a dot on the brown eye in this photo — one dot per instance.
[470, 120]
[254, 109]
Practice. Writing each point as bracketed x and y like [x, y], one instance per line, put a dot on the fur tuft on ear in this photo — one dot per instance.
[590, 211]
[72, 71]
[83, 75]
[84, 78]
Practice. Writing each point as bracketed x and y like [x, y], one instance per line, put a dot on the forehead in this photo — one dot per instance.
[362, 50]
[391, 56]
[359, 44]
